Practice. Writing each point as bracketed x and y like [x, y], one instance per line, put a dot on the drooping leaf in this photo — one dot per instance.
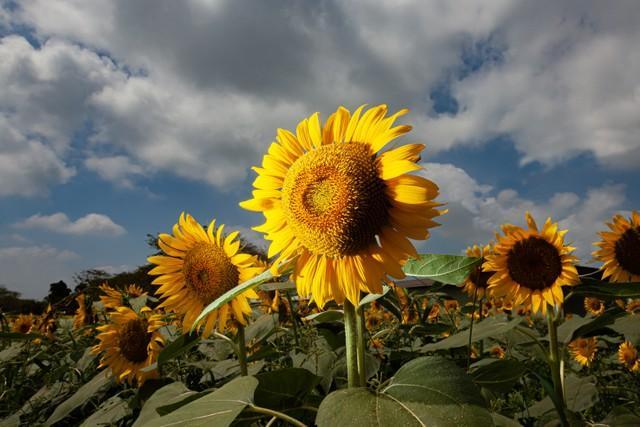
[261, 328]
[109, 413]
[231, 294]
[489, 327]
[219, 408]
[500, 375]
[326, 316]
[599, 324]
[284, 388]
[606, 290]
[179, 346]
[99, 382]
[629, 326]
[372, 297]
[450, 269]
[166, 395]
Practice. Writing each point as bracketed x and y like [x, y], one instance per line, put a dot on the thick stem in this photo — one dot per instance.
[242, 351]
[271, 412]
[473, 315]
[554, 364]
[361, 331]
[351, 343]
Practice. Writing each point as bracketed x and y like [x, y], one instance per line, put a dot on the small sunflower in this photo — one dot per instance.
[628, 356]
[620, 249]
[83, 315]
[199, 267]
[134, 291]
[129, 343]
[23, 323]
[112, 297]
[47, 324]
[633, 306]
[584, 350]
[497, 351]
[477, 280]
[531, 266]
[451, 305]
[594, 306]
[338, 207]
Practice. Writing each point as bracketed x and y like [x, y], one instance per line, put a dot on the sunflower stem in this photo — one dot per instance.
[270, 412]
[554, 364]
[361, 330]
[473, 315]
[351, 343]
[242, 351]
[294, 319]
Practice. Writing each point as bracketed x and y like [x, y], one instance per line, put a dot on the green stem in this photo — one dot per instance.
[554, 364]
[473, 314]
[271, 412]
[361, 330]
[294, 320]
[351, 343]
[242, 351]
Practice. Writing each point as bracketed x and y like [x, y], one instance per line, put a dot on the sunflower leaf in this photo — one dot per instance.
[449, 269]
[489, 327]
[179, 346]
[231, 294]
[603, 289]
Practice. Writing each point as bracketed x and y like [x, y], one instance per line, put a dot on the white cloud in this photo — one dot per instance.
[476, 211]
[30, 269]
[92, 223]
[114, 269]
[116, 169]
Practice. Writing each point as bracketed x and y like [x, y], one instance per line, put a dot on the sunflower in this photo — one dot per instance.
[620, 249]
[47, 324]
[633, 306]
[112, 297]
[23, 323]
[497, 351]
[594, 306]
[134, 291]
[339, 208]
[530, 266]
[83, 315]
[628, 356]
[129, 343]
[477, 280]
[199, 267]
[584, 350]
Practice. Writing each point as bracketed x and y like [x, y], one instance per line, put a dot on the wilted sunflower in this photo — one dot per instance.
[129, 343]
[584, 350]
[338, 207]
[594, 306]
[628, 356]
[201, 266]
[83, 315]
[620, 249]
[23, 323]
[477, 280]
[530, 266]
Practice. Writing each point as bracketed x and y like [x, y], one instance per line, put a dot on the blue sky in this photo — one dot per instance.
[116, 116]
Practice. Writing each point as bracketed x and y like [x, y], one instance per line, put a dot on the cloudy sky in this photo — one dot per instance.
[117, 115]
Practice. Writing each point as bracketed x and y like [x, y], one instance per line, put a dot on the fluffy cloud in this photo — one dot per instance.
[92, 223]
[476, 211]
[116, 169]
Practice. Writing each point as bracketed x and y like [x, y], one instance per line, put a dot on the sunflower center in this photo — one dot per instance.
[208, 272]
[24, 328]
[534, 263]
[628, 250]
[334, 199]
[133, 340]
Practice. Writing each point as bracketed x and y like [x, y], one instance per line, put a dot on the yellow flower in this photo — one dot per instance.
[633, 306]
[628, 356]
[338, 207]
[531, 266]
[451, 305]
[584, 350]
[83, 315]
[594, 306]
[199, 267]
[497, 351]
[23, 323]
[112, 299]
[477, 280]
[620, 249]
[134, 291]
[129, 343]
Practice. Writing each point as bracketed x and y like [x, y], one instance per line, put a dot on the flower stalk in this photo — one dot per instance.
[351, 343]
[554, 365]
[242, 351]
[361, 350]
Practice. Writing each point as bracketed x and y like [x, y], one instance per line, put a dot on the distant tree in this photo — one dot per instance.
[10, 302]
[57, 292]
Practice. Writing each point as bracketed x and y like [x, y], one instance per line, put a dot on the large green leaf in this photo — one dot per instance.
[261, 328]
[489, 327]
[231, 294]
[606, 290]
[284, 388]
[599, 324]
[179, 346]
[84, 393]
[629, 326]
[499, 376]
[109, 413]
[450, 269]
[580, 393]
[219, 408]
[424, 392]
[171, 393]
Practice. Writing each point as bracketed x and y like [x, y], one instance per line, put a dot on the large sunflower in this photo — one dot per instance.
[476, 282]
[620, 249]
[530, 266]
[129, 343]
[339, 207]
[199, 267]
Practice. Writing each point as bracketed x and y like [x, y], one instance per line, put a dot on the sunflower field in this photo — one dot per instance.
[342, 322]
